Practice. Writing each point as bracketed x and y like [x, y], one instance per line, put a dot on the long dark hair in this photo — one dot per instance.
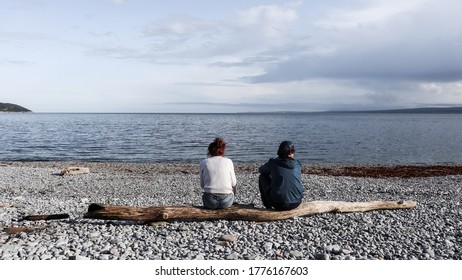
[217, 147]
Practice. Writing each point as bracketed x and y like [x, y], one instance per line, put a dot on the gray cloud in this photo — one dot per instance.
[255, 106]
[420, 45]
[437, 63]
[23, 36]
[12, 62]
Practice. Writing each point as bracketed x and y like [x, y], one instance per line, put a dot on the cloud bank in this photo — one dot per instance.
[238, 55]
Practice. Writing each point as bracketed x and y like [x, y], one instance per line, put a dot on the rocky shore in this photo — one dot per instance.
[432, 230]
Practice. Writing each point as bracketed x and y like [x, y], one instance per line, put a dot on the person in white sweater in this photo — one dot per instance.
[217, 177]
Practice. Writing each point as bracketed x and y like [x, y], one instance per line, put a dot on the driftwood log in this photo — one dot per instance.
[46, 217]
[236, 212]
[75, 170]
[14, 230]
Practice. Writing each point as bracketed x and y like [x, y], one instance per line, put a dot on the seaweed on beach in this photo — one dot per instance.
[401, 171]
[351, 170]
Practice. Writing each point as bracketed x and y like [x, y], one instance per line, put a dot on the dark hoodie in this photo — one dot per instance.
[286, 182]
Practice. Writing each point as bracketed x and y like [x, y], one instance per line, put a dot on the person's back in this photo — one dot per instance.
[280, 181]
[217, 177]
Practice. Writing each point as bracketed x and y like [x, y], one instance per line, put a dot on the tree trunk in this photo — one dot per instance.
[236, 212]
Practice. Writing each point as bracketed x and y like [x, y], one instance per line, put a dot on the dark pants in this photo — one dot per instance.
[264, 184]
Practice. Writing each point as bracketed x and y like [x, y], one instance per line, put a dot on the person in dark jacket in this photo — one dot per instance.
[280, 180]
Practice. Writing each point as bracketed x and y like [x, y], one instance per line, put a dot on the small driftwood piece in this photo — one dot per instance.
[236, 212]
[74, 170]
[14, 230]
[46, 217]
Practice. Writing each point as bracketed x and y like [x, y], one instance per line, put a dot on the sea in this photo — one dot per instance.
[319, 138]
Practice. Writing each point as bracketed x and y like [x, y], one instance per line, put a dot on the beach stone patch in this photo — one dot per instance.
[334, 249]
[228, 238]
[256, 257]
[267, 246]
[347, 251]
[222, 243]
[183, 228]
[4, 217]
[279, 254]
[322, 256]
[199, 257]
[94, 235]
[430, 252]
[207, 226]
[296, 254]
[432, 230]
[232, 256]
[158, 223]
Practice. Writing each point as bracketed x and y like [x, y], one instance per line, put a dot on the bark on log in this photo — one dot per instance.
[236, 212]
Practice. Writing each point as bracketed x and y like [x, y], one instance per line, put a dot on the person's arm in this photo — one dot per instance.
[201, 175]
[299, 176]
[265, 169]
[233, 177]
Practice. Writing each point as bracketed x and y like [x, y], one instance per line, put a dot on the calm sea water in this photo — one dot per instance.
[318, 138]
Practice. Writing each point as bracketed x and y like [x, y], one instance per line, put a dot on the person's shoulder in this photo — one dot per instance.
[227, 159]
[204, 161]
[270, 161]
[297, 162]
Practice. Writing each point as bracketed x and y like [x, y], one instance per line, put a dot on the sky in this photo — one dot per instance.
[208, 56]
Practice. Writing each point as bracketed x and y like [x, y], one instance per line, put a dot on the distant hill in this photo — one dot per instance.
[430, 110]
[8, 107]
[423, 110]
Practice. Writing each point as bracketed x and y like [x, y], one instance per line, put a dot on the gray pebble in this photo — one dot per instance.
[233, 256]
[296, 254]
[268, 246]
[228, 237]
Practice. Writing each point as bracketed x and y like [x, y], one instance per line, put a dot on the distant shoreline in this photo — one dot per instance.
[12, 108]
[432, 110]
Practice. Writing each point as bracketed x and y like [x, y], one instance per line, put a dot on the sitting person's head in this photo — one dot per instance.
[286, 149]
[217, 147]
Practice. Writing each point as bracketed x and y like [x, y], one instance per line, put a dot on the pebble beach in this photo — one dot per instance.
[430, 231]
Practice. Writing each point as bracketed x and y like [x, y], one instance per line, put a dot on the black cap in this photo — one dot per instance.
[286, 147]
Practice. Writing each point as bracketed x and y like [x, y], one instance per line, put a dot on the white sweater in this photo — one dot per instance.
[217, 175]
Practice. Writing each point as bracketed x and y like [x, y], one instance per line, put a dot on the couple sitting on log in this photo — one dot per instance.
[280, 182]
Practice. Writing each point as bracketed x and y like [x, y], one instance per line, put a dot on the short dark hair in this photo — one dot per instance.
[217, 147]
[285, 149]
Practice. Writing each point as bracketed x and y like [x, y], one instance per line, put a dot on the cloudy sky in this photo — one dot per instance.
[230, 56]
